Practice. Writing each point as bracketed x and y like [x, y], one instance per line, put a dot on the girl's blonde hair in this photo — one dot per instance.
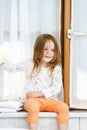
[38, 53]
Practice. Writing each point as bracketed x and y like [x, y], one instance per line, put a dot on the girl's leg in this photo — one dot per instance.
[61, 109]
[32, 106]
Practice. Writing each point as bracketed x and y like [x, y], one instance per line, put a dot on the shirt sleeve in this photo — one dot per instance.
[56, 86]
[25, 65]
[22, 66]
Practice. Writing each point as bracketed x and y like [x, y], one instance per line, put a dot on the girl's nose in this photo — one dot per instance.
[49, 51]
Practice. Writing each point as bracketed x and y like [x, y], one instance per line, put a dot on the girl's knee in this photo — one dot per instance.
[64, 107]
[31, 105]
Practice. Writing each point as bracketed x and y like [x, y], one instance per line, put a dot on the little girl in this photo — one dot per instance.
[44, 82]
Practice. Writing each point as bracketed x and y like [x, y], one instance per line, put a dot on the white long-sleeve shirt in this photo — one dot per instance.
[50, 86]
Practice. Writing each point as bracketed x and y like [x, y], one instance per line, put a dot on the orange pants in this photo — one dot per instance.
[35, 105]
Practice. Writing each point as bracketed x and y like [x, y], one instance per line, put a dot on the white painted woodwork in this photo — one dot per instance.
[47, 121]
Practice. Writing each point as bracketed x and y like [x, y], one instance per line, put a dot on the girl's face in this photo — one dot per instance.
[48, 53]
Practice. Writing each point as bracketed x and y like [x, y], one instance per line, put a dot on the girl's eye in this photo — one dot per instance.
[45, 49]
[49, 50]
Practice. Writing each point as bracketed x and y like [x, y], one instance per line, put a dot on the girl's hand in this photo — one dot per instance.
[35, 94]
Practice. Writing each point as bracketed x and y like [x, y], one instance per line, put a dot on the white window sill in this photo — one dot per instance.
[76, 113]
[12, 129]
[24, 114]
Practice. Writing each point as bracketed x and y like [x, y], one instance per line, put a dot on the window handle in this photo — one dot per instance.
[70, 33]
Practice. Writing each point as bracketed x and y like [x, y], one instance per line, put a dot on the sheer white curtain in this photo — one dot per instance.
[21, 21]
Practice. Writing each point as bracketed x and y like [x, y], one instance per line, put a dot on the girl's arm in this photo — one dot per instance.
[35, 94]
[22, 66]
[10, 67]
